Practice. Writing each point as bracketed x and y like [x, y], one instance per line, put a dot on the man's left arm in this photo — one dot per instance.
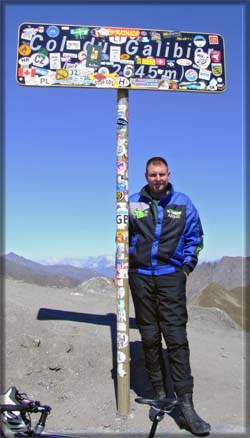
[193, 238]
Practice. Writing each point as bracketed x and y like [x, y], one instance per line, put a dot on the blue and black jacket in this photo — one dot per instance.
[164, 236]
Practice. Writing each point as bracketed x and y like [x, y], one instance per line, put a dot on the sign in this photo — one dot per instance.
[119, 58]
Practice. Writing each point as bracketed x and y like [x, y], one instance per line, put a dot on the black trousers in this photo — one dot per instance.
[160, 309]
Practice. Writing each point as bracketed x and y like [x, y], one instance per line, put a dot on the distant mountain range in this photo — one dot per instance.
[223, 284]
[57, 275]
[228, 272]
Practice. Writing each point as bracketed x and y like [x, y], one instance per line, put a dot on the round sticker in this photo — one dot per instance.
[191, 74]
[199, 41]
[202, 59]
[82, 55]
[24, 50]
[103, 70]
[52, 31]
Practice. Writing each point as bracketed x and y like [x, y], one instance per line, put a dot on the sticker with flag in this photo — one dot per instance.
[26, 72]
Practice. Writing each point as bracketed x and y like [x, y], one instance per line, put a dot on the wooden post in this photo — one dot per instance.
[123, 351]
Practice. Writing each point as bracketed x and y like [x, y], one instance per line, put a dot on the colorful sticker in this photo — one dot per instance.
[53, 31]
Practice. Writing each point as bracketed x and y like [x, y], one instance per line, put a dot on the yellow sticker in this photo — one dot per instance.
[62, 74]
[125, 56]
[24, 50]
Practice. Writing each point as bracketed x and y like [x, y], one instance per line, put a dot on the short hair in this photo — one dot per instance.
[156, 160]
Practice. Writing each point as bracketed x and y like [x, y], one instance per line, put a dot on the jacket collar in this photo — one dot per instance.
[145, 193]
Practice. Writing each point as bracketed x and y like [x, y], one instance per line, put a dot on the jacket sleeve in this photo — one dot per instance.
[193, 238]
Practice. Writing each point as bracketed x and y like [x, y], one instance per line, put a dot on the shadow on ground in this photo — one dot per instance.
[139, 381]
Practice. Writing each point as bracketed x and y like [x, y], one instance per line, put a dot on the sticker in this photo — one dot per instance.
[93, 56]
[123, 82]
[216, 69]
[202, 59]
[122, 221]
[117, 40]
[55, 61]
[160, 61]
[120, 196]
[42, 71]
[150, 83]
[212, 85]
[191, 74]
[82, 56]
[121, 294]
[145, 61]
[121, 236]
[122, 340]
[192, 86]
[28, 33]
[80, 32]
[213, 39]
[121, 371]
[215, 56]
[205, 74]
[25, 72]
[103, 70]
[73, 45]
[24, 50]
[39, 60]
[115, 53]
[104, 80]
[199, 41]
[135, 33]
[25, 61]
[122, 272]
[121, 121]
[122, 186]
[121, 326]
[121, 167]
[184, 62]
[163, 84]
[62, 74]
[121, 357]
[125, 56]
[121, 150]
[45, 80]
[53, 31]
[121, 305]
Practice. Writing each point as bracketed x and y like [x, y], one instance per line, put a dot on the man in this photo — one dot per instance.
[165, 237]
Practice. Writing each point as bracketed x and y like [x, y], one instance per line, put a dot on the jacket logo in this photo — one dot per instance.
[173, 214]
[139, 214]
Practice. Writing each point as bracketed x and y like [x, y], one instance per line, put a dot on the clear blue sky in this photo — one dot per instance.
[60, 143]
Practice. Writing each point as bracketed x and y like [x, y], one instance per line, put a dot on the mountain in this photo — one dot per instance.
[23, 269]
[233, 302]
[104, 265]
[228, 272]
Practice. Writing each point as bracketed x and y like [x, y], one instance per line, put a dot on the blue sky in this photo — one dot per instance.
[60, 143]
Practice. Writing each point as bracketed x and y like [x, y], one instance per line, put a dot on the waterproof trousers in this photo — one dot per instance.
[161, 309]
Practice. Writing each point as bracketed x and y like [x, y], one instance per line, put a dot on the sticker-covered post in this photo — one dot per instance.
[123, 353]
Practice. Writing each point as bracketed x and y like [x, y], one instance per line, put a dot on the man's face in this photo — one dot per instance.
[157, 176]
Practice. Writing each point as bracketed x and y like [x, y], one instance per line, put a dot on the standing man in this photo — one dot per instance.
[165, 237]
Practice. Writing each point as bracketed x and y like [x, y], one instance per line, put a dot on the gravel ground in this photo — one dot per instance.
[59, 349]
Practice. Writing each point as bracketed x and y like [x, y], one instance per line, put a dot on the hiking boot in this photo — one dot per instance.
[189, 419]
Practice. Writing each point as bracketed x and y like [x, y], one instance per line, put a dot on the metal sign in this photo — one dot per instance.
[119, 58]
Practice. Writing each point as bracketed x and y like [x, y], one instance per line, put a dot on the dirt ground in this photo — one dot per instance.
[60, 349]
